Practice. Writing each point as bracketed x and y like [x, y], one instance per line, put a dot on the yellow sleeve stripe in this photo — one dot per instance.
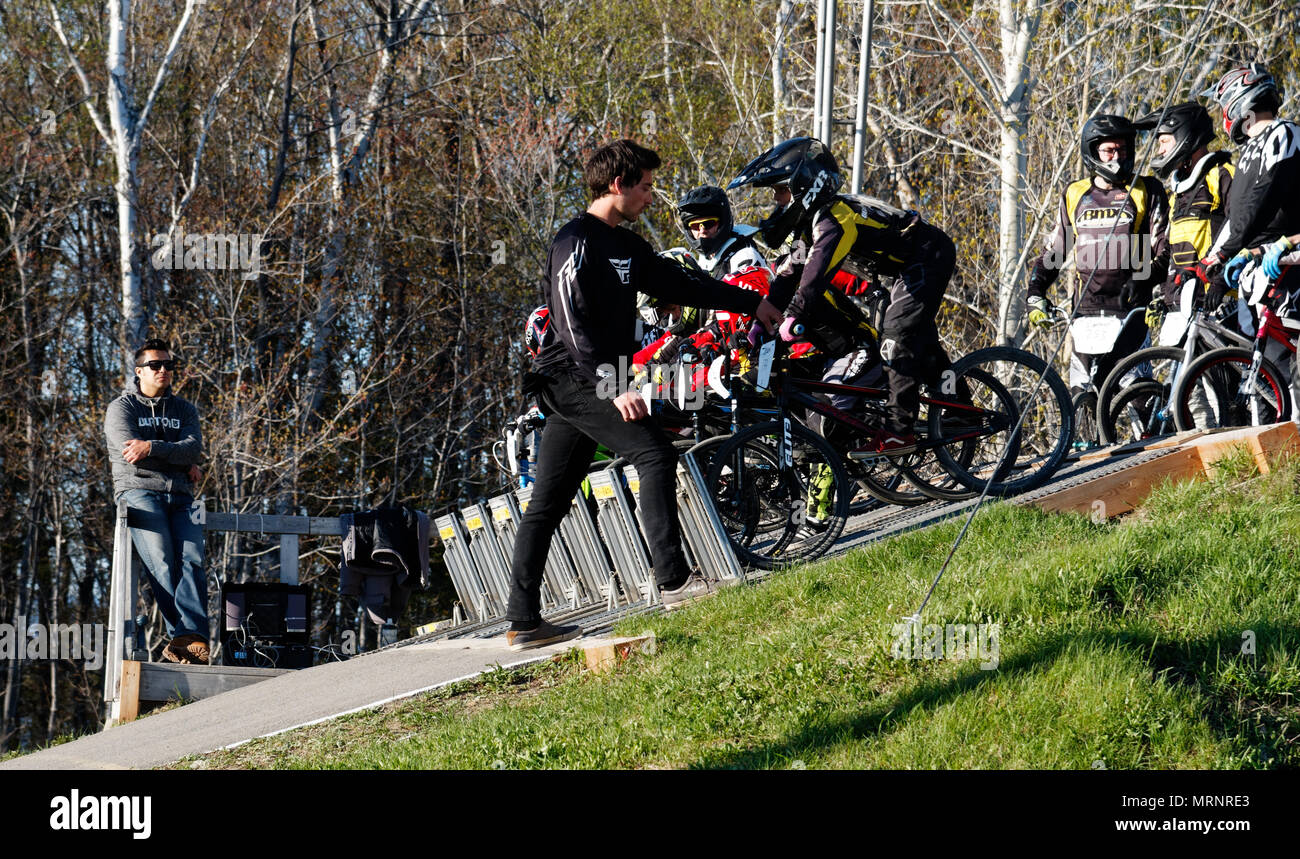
[848, 221]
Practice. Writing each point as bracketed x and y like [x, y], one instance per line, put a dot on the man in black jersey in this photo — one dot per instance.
[593, 273]
[1116, 224]
[1264, 202]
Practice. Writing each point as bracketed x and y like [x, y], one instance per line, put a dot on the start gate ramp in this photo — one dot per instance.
[284, 702]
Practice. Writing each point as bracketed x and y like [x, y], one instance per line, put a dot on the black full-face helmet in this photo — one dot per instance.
[1191, 126]
[1240, 93]
[807, 166]
[702, 203]
[1106, 126]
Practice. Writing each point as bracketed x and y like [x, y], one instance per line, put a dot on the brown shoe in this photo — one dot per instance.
[545, 633]
[696, 587]
[187, 649]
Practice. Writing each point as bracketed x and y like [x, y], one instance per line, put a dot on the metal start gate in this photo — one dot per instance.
[599, 554]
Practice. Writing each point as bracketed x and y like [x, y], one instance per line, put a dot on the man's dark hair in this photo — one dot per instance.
[624, 159]
[153, 344]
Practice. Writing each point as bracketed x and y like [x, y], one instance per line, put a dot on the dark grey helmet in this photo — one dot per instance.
[1191, 126]
[706, 201]
[1105, 126]
[808, 167]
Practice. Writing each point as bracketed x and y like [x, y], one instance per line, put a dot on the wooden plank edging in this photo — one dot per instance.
[1193, 458]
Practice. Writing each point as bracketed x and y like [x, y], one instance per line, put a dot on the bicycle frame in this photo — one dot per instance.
[790, 390]
[1272, 328]
[1202, 335]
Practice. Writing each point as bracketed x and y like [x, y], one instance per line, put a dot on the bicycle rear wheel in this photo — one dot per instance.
[1157, 363]
[781, 492]
[884, 482]
[1219, 390]
[1004, 384]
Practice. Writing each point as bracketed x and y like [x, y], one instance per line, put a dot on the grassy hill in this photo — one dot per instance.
[1121, 645]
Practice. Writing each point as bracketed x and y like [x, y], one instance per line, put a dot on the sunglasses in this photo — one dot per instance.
[702, 225]
[156, 366]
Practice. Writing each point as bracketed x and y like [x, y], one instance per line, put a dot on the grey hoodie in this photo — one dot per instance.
[171, 424]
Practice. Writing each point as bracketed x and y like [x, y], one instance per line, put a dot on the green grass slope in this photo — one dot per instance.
[1125, 645]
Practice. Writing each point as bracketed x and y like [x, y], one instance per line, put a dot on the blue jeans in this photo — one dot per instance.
[171, 546]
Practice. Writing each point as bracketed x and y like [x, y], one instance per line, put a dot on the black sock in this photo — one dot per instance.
[524, 625]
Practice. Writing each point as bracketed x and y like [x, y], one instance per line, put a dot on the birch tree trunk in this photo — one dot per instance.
[1017, 32]
[784, 13]
[124, 134]
[134, 318]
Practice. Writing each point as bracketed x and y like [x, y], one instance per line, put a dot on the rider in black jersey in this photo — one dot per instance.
[863, 236]
[1264, 204]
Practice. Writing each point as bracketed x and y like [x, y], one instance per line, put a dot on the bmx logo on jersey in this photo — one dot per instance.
[1118, 251]
[624, 269]
[1104, 218]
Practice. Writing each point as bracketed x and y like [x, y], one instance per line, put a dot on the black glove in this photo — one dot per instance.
[1215, 290]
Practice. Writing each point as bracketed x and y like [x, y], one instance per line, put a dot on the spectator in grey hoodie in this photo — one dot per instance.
[154, 445]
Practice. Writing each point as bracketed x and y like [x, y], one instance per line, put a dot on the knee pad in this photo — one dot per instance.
[896, 354]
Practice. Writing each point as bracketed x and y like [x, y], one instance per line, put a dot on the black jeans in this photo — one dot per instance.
[576, 420]
[910, 344]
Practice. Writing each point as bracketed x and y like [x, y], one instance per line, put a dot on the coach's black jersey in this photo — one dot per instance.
[593, 274]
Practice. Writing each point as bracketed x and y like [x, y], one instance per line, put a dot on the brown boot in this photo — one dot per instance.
[187, 649]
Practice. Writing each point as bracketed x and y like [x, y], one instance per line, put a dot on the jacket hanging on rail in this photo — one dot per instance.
[385, 557]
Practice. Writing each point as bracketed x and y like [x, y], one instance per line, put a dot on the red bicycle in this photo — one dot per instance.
[1234, 387]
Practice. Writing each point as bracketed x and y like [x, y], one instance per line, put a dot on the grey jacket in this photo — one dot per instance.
[171, 424]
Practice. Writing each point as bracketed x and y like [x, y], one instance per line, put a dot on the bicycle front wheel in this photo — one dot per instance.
[1141, 411]
[1220, 389]
[781, 492]
[983, 447]
[1085, 420]
[1156, 363]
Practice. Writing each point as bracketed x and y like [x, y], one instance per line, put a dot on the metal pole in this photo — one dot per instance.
[828, 98]
[860, 123]
[818, 67]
